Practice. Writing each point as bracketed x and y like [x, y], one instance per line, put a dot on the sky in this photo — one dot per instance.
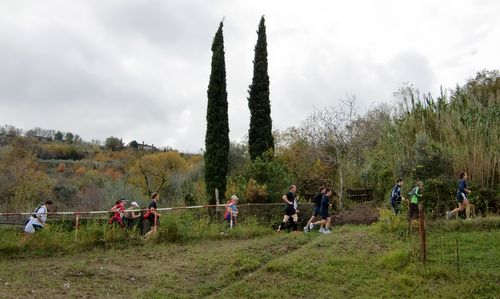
[139, 70]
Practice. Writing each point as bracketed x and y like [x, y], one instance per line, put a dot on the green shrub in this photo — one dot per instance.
[396, 259]
[390, 223]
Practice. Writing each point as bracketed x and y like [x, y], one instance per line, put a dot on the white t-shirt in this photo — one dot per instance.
[42, 215]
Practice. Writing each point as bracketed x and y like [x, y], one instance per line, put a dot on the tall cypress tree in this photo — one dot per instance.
[260, 138]
[217, 135]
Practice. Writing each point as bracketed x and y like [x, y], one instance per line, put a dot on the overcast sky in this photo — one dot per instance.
[139, 70]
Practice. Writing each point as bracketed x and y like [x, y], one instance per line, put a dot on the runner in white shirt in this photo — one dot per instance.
[38, 218]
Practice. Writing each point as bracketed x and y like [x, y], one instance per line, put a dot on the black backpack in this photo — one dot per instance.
[32, 215]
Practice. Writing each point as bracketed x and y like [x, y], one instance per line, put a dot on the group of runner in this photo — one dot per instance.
[320, 215]
[132, 216]
[396, 198]
[321, 201]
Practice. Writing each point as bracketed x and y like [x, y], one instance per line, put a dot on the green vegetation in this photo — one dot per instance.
[260, 138]
[425, 138]
[254, 262]
[217, 134]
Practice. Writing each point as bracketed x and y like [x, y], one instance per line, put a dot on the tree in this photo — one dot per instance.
[21, 183]
[260, 137]
[69, 137]
[113, 143]
[217, 134]
[59, 136]
[336, 133]
[134, 145]
[153, 172]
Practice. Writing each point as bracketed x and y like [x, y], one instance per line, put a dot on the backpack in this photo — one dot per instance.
[32, 215]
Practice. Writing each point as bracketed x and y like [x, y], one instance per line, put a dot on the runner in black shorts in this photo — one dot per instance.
[317, 205]
[325, 217]
[290, 209]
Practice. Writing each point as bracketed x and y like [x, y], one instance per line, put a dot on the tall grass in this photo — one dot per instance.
[173, 228]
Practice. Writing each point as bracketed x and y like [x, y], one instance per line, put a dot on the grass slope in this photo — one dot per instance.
[352, 262]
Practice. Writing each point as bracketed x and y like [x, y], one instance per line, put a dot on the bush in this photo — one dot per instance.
[392, 224]
[486, 200]
[396, 259]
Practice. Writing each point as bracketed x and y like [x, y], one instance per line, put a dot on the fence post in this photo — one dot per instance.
[77, 225]
[423, 245]
[217, 201]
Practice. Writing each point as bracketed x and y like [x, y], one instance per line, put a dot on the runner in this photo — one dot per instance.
[38, 218]
[461, 197]
[291, 208]
[152, 215]
[395, 199]
[118, 210]
[415, 195]
[231, 211]
[325, 217]
[317, 205]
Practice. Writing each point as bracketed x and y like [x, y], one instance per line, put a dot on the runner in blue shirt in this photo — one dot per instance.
[395, 199]
[461, 196]
[317, 205]
[325, 217]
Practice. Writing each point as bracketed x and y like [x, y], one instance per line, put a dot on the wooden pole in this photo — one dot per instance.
[423, 244]
[217, 201]
[77, 225]
[231, 220]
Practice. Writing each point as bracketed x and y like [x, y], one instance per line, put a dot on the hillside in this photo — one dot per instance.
[353, 262]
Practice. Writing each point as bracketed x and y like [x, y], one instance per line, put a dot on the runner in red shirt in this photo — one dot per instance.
[119, 209]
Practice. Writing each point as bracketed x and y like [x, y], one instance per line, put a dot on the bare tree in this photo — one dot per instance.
[339, 135]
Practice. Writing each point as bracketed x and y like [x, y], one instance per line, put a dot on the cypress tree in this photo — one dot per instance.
[217, 134]
[260, 137]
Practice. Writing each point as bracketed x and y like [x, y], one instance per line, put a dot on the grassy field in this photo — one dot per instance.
[352, 262]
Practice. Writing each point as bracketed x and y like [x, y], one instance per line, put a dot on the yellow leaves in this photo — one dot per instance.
[152, 172]
[61, 167]
[255, 192]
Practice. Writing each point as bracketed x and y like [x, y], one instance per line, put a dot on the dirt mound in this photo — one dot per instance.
[361, 213]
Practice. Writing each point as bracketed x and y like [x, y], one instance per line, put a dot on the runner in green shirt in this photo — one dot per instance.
[415, 195]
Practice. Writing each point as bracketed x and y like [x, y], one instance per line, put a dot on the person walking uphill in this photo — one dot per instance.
[291, 208]
[152, 215]
[395, 199]
[37, 220]
[231, 212]
[132, 215]
[462, 200]
[415, 195]
[118, 210]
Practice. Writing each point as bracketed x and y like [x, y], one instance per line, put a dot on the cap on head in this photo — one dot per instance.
[134, 204]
